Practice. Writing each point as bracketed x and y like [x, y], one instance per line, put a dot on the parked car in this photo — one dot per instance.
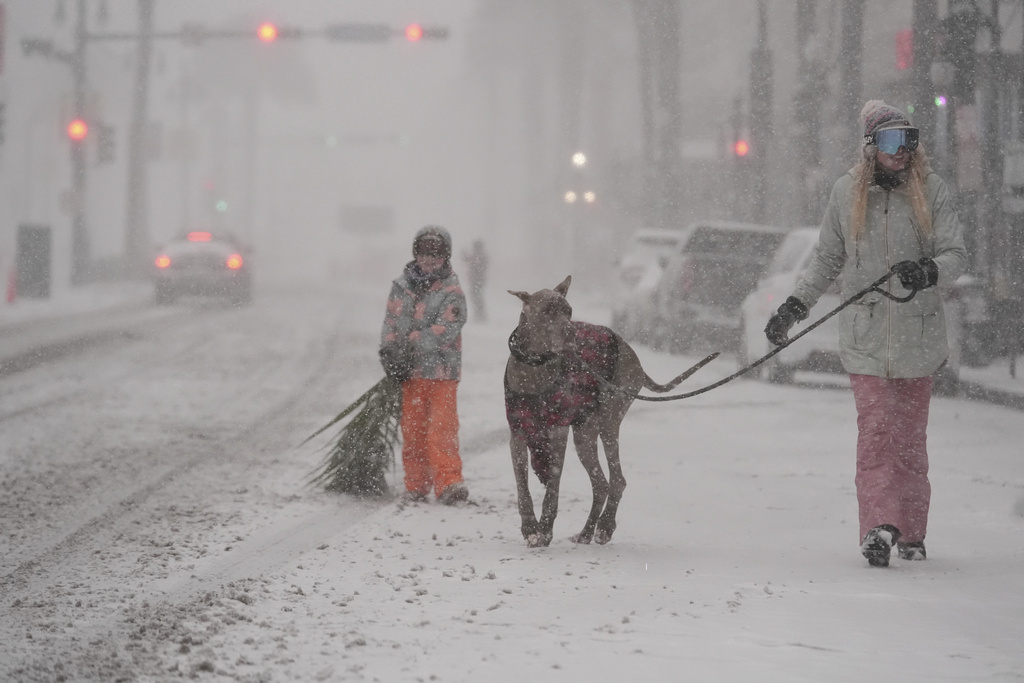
[201, 263]
[818, 351]
[698, 299]
[638, 273]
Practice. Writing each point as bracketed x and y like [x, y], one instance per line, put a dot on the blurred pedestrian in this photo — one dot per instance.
[476, 260]
[890, 212]
[421, 346]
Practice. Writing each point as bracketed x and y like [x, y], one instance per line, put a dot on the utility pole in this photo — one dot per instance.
[990, 222]
[80, 247]
[671, 129]
[925, 25]
[658, 31]
[850, 68]
[762, 93]
[136, 246]
[78, 135]
[644, 22]
[808, 103]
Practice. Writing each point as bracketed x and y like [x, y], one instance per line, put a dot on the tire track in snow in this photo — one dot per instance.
[127, 503]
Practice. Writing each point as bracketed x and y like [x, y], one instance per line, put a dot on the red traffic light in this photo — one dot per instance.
[741, 148]
[413, 32]
[267, 32]
[77, 130]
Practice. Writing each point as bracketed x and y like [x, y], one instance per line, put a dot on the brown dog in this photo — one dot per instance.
[563, 374]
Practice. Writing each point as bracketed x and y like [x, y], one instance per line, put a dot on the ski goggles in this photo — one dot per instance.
[889, 141]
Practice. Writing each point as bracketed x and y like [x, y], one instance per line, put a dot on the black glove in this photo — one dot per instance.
[915, 276]
[396, 362]
[777, 329]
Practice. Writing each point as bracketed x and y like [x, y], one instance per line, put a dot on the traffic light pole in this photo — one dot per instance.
[80, 247]
[75, 60]
[136, 224]
[762, 94]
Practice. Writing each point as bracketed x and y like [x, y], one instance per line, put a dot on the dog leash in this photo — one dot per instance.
[873, 287]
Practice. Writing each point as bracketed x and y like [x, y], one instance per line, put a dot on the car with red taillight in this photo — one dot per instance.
[202, 264]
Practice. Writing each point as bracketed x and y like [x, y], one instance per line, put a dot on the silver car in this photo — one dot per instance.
[201, 263]
[638, 273]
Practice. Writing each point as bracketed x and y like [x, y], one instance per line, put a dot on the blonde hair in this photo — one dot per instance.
[864, 175]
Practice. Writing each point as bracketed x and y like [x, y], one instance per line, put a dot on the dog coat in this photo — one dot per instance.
[594, 354]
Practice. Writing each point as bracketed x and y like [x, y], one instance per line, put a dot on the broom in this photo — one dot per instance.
[364, 449]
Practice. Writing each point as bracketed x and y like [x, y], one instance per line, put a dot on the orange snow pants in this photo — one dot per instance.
[430, 435]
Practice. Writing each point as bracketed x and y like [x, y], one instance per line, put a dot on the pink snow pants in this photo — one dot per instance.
[892, 458]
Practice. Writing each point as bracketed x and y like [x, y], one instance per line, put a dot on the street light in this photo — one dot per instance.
[579, 159]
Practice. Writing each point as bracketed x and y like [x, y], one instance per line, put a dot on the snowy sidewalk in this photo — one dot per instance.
[75, 301]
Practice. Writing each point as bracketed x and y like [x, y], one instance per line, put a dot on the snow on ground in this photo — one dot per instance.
[735, 558]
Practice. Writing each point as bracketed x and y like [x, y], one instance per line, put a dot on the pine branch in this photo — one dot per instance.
[364, 449]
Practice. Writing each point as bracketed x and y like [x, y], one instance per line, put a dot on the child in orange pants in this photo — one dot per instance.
[421, 347]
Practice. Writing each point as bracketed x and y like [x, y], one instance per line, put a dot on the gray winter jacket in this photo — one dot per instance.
[878, 336]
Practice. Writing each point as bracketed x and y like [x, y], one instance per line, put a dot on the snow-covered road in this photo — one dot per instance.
[156, 526]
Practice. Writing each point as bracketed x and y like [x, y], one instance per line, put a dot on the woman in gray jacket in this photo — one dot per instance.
[889, 213]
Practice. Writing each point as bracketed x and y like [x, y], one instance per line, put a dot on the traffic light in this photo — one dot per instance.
[267, 32]
[78, 130]
[741, 148]
[413, 33]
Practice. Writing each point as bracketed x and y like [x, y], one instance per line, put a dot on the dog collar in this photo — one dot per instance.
[527, 359]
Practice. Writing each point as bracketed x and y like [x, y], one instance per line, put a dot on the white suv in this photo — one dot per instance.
[637, 274]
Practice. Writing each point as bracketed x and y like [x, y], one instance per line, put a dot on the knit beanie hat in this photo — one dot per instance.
[877, 115]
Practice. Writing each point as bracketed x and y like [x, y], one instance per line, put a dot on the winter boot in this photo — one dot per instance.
[414, 497]
[453, 494]
[878, 544]
[912, 550]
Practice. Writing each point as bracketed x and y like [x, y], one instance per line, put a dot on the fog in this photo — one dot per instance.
[326, 156]
[158, 520]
